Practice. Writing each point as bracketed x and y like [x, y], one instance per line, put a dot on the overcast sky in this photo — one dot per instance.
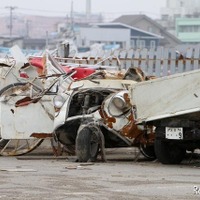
[63, 7]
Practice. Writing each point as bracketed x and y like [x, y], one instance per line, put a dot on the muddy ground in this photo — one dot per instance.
[41, 175]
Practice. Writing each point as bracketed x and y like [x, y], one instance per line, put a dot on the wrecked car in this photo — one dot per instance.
[97, 112]
[90, 108]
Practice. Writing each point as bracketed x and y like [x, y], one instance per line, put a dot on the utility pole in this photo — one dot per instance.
[11, 18]
[88, 10]
[72, 17]
[27, 28]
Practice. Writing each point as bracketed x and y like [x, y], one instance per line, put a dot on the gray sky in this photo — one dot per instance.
[62, 7]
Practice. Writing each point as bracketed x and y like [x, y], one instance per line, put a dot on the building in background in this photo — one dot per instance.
[39, 31]
[6, 41]
[117, 35]
[178, 9]
[188, 29]
[145, 23]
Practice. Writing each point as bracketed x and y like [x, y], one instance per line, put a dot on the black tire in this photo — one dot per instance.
[148, 151]
[3, 143]
[168, 152]
[87, 144]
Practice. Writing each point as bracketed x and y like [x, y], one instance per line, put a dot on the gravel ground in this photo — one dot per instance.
[42, 176]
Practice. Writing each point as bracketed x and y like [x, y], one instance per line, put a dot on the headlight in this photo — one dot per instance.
[119, 102]
[58, 101]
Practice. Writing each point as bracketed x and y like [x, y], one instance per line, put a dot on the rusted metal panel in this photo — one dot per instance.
[42, 135]
[120, 120]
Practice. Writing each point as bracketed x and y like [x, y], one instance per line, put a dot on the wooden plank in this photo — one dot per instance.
[189, 58]
[165, 64]
[106, 57]
[196, 58]
[180, 66]
[151, 62]
[130, 53]
[123, 54]
[70, 60]
[158, 63]
[172, 61]
[122, 58]
[101, 53]
[92, 56]
[144, 58]
[136, 59]
[94, 53]
[114, 61]
[129, 58]
[72, 53]
[116, 52]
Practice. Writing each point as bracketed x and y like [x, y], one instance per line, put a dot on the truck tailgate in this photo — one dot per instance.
[167, 96]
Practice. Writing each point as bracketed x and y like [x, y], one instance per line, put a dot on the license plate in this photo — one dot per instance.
[174, 133]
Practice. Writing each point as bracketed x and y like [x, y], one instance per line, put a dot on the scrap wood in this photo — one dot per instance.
[18, 170]
[80, 166]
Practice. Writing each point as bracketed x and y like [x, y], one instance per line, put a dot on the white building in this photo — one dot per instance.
[116, 34]
[92, 35]
[180, 8]
[177, 9]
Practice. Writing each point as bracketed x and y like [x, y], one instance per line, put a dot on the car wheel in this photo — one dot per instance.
[168, 152]
[87, 144]
[148, 151]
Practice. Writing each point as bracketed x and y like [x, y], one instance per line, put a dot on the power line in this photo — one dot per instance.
[39, 10]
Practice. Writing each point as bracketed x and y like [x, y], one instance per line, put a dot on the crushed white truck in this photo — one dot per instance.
[84, 106]
[172, 105]
[98, 108]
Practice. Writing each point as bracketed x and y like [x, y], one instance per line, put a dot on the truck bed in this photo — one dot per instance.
[169, 96]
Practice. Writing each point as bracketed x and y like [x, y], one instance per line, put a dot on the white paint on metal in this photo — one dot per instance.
[19, 57]
[21, 122]
[168, 96]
